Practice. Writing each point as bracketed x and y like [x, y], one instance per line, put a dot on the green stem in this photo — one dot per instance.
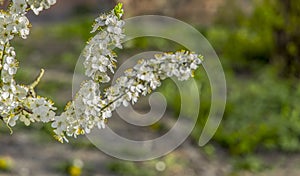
[2, 61]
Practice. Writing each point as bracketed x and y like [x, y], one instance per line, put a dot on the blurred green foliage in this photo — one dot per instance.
[269, 34]
[250, 163]
[263, 93]
[261, 114]
[259, 52]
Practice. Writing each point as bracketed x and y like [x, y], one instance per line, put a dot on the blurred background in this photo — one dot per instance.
[258, 43]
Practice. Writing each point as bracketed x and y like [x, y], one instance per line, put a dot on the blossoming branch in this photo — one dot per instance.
[90, 107]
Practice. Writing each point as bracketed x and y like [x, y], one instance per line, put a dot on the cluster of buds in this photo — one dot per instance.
[90, 107]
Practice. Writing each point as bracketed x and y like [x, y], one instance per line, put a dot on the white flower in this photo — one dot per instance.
[23, 26]
[12, 120]
[20, 92]
[25, 119]
[38, 5]
[99, 22]
[5, 34]
[10, 65]
[101, 124]
[5, 95]
[41, 108]
[18, 6]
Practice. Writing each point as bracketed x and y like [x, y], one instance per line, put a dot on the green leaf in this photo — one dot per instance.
[118, 10]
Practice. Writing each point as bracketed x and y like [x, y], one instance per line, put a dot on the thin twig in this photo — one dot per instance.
[31, 87]
[37, 80]
[110, 103]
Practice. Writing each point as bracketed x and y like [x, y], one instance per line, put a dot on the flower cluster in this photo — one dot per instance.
[18, 102]
[38, 5]
[147, 75]
[11, 94]
[82, 114]
[90, 107]
[87, 110]
[99, 54]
